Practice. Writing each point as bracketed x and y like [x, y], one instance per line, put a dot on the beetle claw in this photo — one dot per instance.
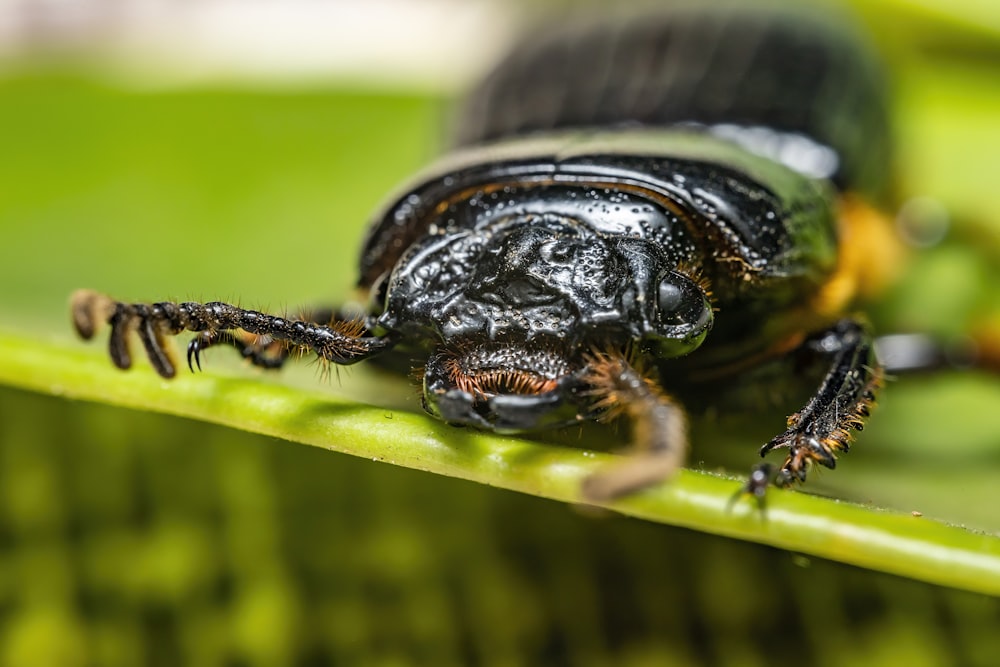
[803, 452]
[761, 477]
[194, 353]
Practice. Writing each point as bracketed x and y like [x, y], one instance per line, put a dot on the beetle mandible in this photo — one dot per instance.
[639, 214]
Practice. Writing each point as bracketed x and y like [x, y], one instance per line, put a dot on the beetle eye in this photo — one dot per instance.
[669, 299]
[680, 303]
[676, 303]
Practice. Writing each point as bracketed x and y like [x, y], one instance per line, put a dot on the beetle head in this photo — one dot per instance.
[515, 306]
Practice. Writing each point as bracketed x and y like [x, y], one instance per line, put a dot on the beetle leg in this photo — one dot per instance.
[261, 351]
[659, 427]
[823, 427]
[341, 342]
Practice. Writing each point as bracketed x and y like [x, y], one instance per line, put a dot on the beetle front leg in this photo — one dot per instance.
[823, 427]
[340, 342]
[659, 427]
[265, 351]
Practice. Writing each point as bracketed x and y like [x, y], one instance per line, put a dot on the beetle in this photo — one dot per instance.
[641, 216]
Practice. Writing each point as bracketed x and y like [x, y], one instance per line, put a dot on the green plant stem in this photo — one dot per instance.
[901, 544]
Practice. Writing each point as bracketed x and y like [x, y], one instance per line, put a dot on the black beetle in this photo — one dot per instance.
[639, 213]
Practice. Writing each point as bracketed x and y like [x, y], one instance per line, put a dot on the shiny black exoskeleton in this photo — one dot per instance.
[640, 213]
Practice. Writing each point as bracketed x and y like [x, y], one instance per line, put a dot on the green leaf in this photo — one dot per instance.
[891, 542]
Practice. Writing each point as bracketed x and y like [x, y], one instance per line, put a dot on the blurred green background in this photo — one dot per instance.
[130, 538]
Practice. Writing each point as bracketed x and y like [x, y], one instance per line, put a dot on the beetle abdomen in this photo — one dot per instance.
[785, 82]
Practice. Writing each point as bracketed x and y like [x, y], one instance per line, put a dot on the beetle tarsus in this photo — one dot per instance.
[263, 339]
[823, 427]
